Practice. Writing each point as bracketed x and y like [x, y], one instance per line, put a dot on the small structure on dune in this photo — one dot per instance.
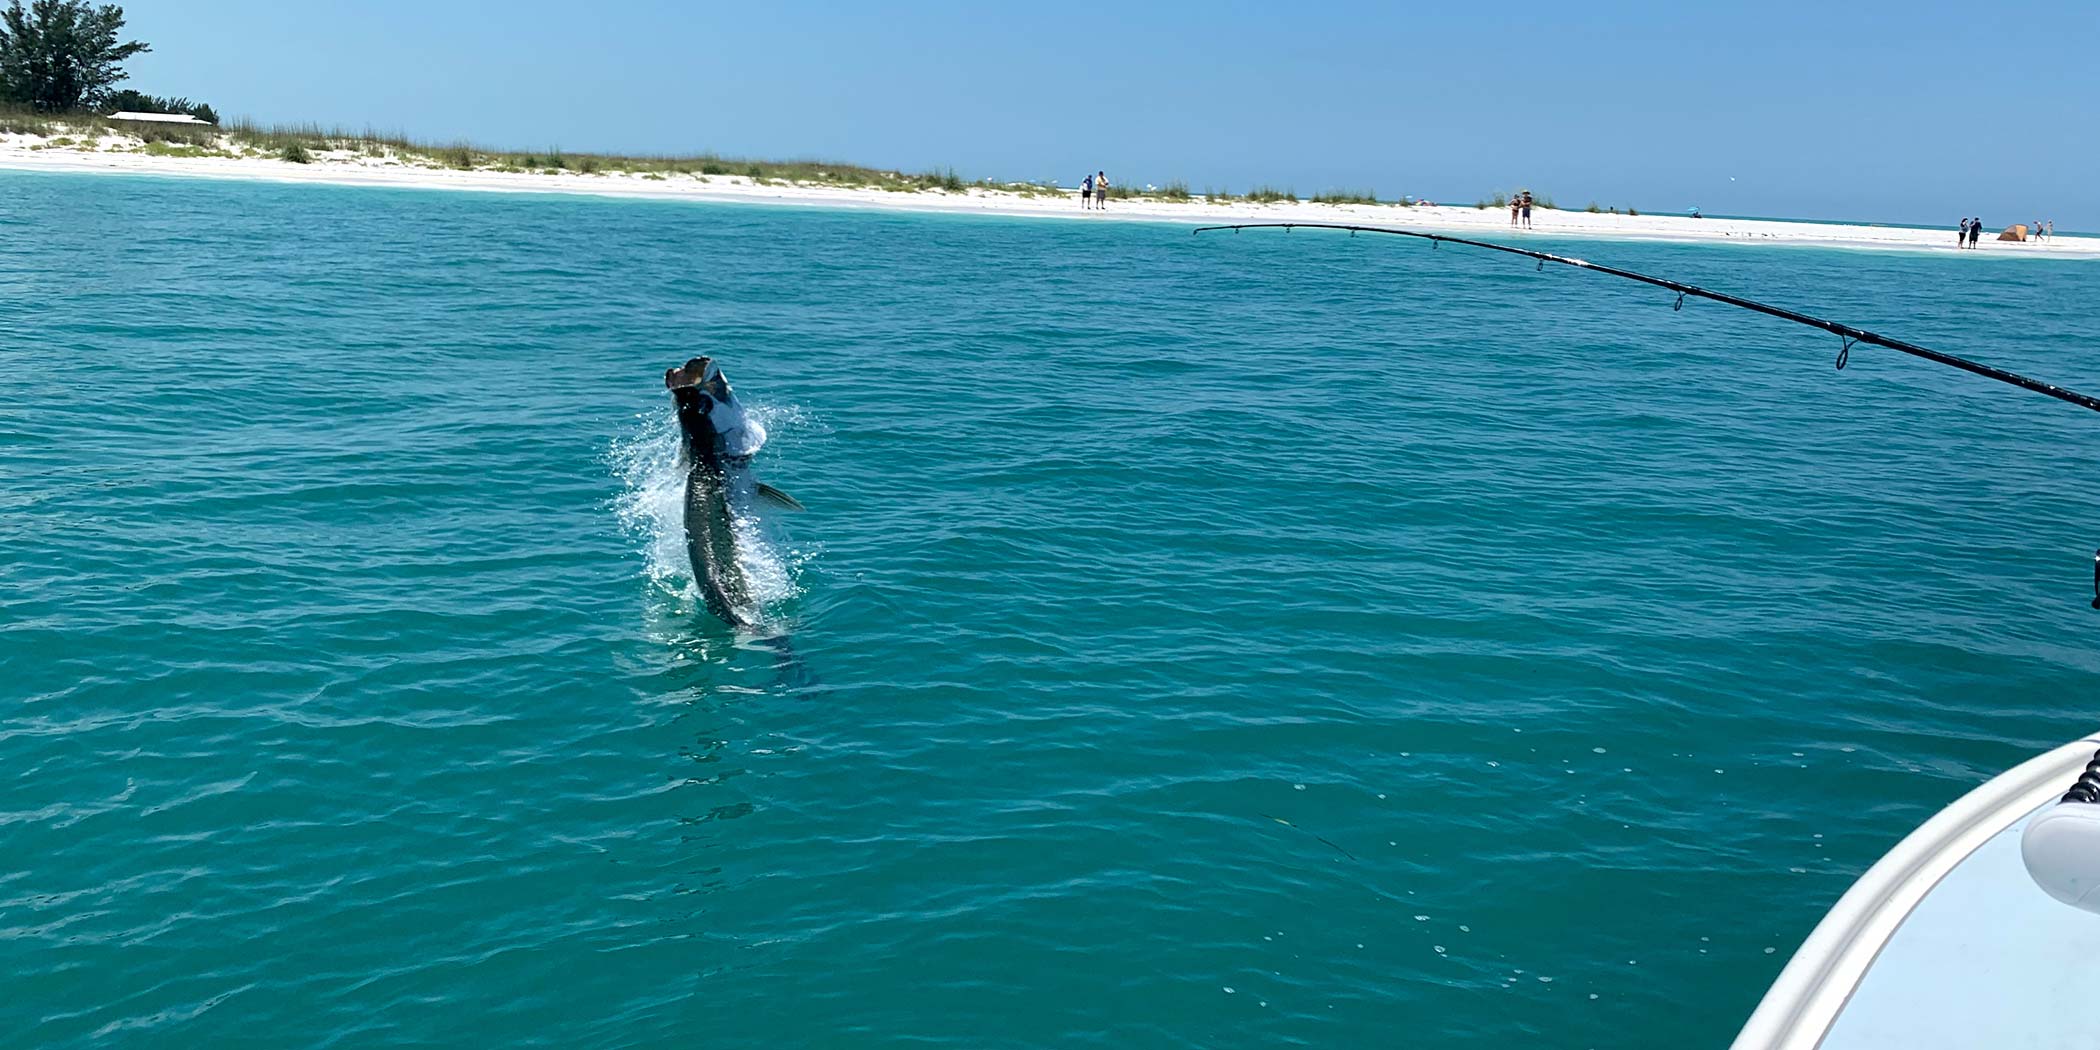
[161, 118]
[2016, 232]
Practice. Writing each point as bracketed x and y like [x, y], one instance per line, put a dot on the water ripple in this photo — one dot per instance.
[1191, 642]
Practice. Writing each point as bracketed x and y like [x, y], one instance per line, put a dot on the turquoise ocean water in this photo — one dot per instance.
[351, 693]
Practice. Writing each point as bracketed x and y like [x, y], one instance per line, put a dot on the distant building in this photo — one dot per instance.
[161, 118]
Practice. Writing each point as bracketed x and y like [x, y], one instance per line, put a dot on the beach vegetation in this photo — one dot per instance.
[928, 180]
[20, 120]
[1633, 211]
[176, 149]
[1019, 189]
[1593, 209]
[242, 136]
[275, 139]
[60, 55]
[189, 135]
[1346, 197]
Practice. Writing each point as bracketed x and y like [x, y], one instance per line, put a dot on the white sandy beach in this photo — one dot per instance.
[113, 154]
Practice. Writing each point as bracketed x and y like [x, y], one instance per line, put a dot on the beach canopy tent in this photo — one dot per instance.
[160, 118]
[2015, 232]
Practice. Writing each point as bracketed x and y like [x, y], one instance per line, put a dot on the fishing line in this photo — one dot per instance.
[1337, 846]
[1848, 336]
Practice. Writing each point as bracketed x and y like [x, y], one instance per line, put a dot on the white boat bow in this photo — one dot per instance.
[1948, 941]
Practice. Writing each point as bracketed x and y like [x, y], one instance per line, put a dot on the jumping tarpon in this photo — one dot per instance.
[720, 439]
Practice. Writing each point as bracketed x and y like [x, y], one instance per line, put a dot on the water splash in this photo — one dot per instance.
[651, 503]
[651, 509]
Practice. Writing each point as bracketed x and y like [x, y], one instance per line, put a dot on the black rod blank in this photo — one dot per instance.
[1846, 332]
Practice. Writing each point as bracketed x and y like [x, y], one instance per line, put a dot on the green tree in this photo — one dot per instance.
[61, 54]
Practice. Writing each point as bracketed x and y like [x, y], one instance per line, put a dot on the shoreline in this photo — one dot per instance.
[117, 155]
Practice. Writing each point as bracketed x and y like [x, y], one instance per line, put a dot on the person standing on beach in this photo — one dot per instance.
[1961, 233]
[1516, 204]
[1086, 192]
[1101, 189]
[1527, 209]
[1975, 230]
[2049, 229]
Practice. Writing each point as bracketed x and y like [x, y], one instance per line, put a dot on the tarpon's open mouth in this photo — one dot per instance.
[699, 372]
[690, 374]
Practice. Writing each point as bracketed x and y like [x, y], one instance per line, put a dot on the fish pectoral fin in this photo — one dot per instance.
[778, 497]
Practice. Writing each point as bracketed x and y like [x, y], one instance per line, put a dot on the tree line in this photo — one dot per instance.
[59, 56]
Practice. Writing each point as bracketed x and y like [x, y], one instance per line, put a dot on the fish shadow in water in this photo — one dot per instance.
[790, 673]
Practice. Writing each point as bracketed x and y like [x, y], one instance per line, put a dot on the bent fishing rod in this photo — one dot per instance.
[1850, 335]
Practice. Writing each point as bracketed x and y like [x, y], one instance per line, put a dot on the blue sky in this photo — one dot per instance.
[1917, 112]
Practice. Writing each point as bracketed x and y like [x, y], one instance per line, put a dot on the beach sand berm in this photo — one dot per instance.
[114, 154]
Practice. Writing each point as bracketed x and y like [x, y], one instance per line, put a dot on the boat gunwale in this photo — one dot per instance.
[1802, 1006]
